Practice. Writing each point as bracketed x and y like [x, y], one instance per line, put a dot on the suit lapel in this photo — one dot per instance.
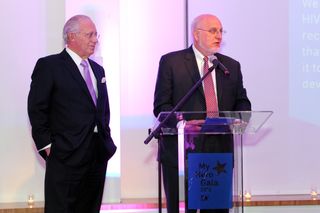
[75, 73]
[219, 81]
[192, 67]
[220, 78]
[193, 70]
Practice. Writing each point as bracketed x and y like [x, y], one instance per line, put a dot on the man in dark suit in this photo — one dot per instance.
[178, 73]
[69, 113]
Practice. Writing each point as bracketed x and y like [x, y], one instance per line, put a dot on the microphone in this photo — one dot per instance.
[157, 130]
[217, 63]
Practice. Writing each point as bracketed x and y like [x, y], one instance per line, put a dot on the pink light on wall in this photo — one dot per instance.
[146, 34]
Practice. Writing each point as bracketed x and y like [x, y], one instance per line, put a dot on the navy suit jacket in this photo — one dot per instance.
[62, 112]
[178, 73]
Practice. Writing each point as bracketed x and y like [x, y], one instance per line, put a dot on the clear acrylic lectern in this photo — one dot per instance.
[210, 155]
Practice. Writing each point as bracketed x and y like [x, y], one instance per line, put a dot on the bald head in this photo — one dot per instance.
[206, 32]
[199, 20]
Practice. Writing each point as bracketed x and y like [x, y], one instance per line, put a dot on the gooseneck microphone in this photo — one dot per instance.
[155, 132]
[217, 63]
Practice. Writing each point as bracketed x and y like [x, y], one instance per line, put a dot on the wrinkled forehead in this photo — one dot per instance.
[209, 22]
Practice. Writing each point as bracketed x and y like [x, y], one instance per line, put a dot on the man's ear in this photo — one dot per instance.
[71, 36]
[195, 35]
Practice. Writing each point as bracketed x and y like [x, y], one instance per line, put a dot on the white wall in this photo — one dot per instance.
[35, 31]
[25, 37]
[277, 160]
[147, 31]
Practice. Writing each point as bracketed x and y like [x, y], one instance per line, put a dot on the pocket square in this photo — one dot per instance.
[103, 80]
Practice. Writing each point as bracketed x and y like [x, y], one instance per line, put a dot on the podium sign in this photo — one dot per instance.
[210, 180]
[211, 155]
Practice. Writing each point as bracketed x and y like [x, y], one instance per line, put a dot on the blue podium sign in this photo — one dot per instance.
[210, 180]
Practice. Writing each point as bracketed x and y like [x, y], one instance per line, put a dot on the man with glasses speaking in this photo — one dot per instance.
[222, 90]
[69, 113]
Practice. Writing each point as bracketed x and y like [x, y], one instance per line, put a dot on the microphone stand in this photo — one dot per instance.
[156, 131]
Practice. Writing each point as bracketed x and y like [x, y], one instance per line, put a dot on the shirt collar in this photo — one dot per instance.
[197, 53]
[75, 57]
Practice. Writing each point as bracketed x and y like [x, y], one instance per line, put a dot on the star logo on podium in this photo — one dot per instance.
[220, 168]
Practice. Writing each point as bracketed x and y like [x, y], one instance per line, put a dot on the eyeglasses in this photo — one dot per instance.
[213, 31]
[90, 35]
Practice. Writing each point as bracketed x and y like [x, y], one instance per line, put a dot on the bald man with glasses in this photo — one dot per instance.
[178, 73]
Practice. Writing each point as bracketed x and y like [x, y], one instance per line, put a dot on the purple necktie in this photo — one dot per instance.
[209, 92]
[87, 78]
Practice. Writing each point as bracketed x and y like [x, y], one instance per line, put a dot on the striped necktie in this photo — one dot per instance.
[209, 92]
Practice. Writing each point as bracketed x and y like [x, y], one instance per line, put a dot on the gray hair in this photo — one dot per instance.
[72, 26]
[194, 23]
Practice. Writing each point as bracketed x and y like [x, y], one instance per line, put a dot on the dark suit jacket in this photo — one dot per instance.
[178, 72]
[62, 112]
